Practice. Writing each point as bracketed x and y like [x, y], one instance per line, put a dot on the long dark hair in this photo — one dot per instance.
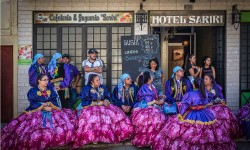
[92, 77]
[39, 77]
[199, 83]
[143, 78]
[187, 60]
[154, 59]
[204, 59]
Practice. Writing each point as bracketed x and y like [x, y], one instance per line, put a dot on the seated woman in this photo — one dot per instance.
[124, 94]
[177, 86]
[244, 120]
[146, 118]
[196, 127]
[100, 121]
[43, 125]
[218, 106]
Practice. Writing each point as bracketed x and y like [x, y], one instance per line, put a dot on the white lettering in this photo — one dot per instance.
[205, 19]
[191, 19]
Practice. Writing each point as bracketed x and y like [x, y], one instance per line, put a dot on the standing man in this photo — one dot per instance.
[93, 65]
[74, 78]
[37, 67]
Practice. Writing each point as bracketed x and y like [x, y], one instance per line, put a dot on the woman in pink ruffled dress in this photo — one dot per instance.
[147, 116]
[99, 121]
[43, 125]
[222, 113]
[195, 127]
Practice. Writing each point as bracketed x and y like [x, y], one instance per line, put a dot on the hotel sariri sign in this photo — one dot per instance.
[187, 18]
[82, 17]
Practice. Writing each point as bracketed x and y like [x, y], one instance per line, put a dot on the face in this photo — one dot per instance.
[96, 82]
[44, 81]
[193, 59]
[93, 55]
[180, 73]
[207, 80]
[65, 60]
[59, 60]
[41, 60]
[207, 61]
[128, 81]
[153, 65]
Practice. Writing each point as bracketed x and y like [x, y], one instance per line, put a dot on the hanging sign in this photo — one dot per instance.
[82, 17]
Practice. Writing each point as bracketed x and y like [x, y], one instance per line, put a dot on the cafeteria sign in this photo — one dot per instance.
[82, 17]
[187, 18]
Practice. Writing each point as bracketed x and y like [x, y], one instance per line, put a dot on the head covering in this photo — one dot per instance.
[120, 83]
[37, 56]
[52, 64]
[65, 55]
[92, 50]
[176, 69]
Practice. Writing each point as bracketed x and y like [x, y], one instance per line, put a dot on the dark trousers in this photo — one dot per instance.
[64, 101]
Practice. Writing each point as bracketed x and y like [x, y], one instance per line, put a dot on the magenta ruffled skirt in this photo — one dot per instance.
[28, 132]
[178, 135]
[102, 124]
[226, 119]
[147, 124]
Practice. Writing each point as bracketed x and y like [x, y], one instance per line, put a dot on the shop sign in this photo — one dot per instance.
[82, 17]
[187, 18]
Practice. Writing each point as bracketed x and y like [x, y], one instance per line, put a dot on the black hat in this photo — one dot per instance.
[92, 50]
[65, 55]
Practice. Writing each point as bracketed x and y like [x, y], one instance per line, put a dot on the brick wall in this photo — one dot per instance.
[25, 8]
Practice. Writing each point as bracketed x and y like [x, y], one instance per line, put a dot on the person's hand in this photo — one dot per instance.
[57, 88]
[162, 96]
[125, 108]
[73, 86]
[159, 102]
[100, 103]
[151, 103]
[106, 102]
[46, 108]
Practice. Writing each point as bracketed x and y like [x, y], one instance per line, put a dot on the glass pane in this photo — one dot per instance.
[97, 37]
[39, 37]
[46, 30]
[39, 30]
[39, 45]
[90, 45]
[53, 45]
[103, 44]
[78, 30]
[46, 53]
[65, 45]
[53, 37]
[103, 29]
[78, 44]
[54, 30]
[72, 37]
[46, 37]
[72, 30]
[65, 52]
[121, 29]
[53, 52]
[78, 37]
[89, 29]
[127, 29]
[97, 30]
[46, 45]
[65, 37]
[64, 30]
[79, 52]
[79, 60]
[103, 37]
[114, 29]
[90, 37]
[114, 66]
[72, 45]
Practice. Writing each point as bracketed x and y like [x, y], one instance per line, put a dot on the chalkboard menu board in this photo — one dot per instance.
[137, 50]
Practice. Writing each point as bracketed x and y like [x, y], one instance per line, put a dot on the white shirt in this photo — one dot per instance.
[96, 63]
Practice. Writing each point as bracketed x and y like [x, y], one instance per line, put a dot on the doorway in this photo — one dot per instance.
[6, 83]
